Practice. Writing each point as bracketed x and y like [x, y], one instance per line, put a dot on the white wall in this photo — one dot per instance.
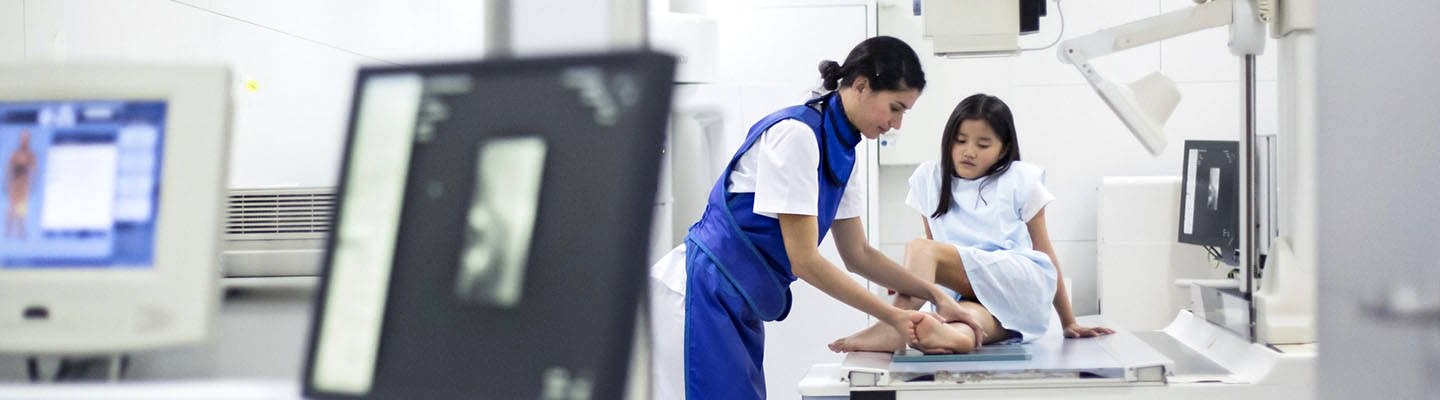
[301, 54]
[1063, 126]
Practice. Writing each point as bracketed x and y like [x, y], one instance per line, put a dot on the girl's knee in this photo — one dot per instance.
[922, 247]
[914, 245]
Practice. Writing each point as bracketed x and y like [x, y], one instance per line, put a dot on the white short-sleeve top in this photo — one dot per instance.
[990, 219]
[782, 169]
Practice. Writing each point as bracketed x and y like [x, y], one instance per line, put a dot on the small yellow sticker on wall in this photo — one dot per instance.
[252, 86]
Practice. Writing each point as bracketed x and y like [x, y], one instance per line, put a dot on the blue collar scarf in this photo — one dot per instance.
[837, 150]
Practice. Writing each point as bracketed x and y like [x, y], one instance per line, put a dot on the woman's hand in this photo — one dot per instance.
[901, 322]
[949, 310]
[1075, 330]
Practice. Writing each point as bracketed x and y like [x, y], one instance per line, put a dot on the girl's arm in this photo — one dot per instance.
[1041, 238]
[800, 235]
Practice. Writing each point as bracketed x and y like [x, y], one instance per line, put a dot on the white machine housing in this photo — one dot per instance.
[695, 141]
[972, 27]
[692, 38]
[1140, 256]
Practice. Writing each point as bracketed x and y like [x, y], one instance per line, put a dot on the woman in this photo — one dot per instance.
[788, 184]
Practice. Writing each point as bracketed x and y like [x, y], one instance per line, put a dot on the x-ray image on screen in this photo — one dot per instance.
[1210, 201]
[1212, 192]
[501, 219]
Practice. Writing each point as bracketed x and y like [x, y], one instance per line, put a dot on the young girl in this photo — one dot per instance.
[985, 238]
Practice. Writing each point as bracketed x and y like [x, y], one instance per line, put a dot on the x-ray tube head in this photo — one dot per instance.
[1143, 106]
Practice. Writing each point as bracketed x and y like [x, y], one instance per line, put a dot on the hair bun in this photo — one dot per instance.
[830, 74]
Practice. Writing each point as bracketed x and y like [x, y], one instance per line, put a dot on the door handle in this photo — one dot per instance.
[1404, 305]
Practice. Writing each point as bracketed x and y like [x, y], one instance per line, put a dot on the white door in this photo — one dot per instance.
[1378, 156]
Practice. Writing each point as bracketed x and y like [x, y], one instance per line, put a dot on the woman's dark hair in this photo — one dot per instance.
[887, 62]
[994, 112]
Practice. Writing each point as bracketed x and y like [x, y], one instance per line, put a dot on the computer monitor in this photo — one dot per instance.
[112, 187]
[492, 229]
[1210, 198]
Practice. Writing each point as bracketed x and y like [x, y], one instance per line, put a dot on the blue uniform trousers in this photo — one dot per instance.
[724, 339]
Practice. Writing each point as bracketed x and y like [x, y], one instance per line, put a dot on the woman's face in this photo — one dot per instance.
[878, 111]
[976, 149]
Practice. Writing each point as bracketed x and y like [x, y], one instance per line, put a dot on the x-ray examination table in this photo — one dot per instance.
[1188, 358]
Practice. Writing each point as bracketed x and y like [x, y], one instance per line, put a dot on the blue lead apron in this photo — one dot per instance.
[738, 271]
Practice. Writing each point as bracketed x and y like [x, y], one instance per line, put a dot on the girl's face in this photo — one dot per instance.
[878, 111]
[976, 149]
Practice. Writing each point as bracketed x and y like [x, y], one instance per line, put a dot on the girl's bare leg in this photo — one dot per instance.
[938, 262]
[928, 260]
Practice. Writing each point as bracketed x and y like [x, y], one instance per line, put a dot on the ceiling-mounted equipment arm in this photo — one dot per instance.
[1146, 119]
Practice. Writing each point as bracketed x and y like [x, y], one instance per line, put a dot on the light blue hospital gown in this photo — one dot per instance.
[1013, 280]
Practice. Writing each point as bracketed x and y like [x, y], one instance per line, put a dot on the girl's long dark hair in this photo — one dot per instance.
[994, 112]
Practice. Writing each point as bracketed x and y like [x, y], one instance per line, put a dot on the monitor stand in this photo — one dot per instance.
[92, 368]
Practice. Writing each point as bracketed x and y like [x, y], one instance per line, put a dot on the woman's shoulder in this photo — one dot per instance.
[791, 133]
[791, 124]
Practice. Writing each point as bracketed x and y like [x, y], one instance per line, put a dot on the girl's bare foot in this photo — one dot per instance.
[935, 337]
[878, 337]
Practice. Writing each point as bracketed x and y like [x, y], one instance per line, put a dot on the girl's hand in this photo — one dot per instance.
[1075, 330]
[949, 310]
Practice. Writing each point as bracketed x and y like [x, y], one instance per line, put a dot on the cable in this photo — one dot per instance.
[1061, 12]
[63, 370]
[262, 26]
[25, 28]
[32, 367]
[1214, 252]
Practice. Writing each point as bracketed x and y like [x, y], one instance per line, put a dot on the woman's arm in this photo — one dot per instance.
[800, 235]
[1040, 236]
[870, 263]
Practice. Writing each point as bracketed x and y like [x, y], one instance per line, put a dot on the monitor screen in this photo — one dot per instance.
[81, 182]
[492, 229]
[1210, 196]
[112, 183]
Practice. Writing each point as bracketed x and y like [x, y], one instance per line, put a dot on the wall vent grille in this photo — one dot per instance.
[279, 212]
